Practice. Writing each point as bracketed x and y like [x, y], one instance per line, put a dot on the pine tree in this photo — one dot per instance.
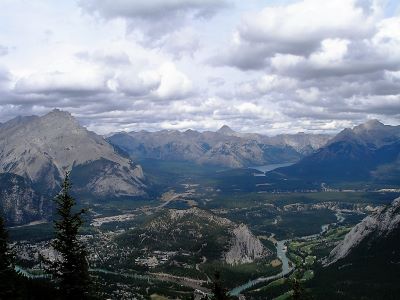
[71, 270]
[7, 273]
[220, 293]
[5, 256]
[299, 292]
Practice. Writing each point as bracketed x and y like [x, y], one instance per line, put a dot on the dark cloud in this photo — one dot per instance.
[244, 56]
[152, 9]
[154, 19]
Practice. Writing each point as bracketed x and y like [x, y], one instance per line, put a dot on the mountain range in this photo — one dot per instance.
[225, 147]
[35, 153]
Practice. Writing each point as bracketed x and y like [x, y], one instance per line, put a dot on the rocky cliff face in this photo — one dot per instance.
[366, 264]
[42, 149]
[245, 247]
[379, 225]
[19, 203]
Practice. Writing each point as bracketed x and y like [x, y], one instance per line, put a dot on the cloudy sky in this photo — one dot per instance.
[266, 66]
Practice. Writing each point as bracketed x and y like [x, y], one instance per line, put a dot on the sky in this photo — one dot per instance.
[272, 66]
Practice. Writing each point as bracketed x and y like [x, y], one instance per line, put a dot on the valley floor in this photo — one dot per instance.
[298, 228]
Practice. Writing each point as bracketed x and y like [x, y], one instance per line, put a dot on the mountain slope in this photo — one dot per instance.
[42, 149]
[353, 155]
[19, 202]
[366, 264]
[382, 225]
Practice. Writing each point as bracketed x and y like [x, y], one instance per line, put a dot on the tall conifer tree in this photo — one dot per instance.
[219, 291]
[5, 256]
[7, 273]
[71, 268]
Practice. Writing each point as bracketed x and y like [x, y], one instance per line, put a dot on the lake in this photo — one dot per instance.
[271, 167]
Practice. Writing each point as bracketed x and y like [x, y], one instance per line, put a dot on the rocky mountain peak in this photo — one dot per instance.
[226, 130]
[60, 115]
[41, 149]
[372, 132]
[373, 124]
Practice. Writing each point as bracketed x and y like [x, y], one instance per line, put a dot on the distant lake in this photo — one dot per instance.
[267, 168]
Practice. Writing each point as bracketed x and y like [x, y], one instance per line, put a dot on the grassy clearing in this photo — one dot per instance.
[285, 296]
[158, 297]
[275, 283]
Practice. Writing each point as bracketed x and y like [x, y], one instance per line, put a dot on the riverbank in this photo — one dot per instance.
[287, 265]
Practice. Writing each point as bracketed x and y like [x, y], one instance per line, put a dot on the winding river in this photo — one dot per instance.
[286, 269]
[281, 253]
[30, 275]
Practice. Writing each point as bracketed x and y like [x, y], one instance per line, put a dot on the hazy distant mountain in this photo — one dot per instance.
[42, 149]
[301, 142]
[224, 147]
[370, 151]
